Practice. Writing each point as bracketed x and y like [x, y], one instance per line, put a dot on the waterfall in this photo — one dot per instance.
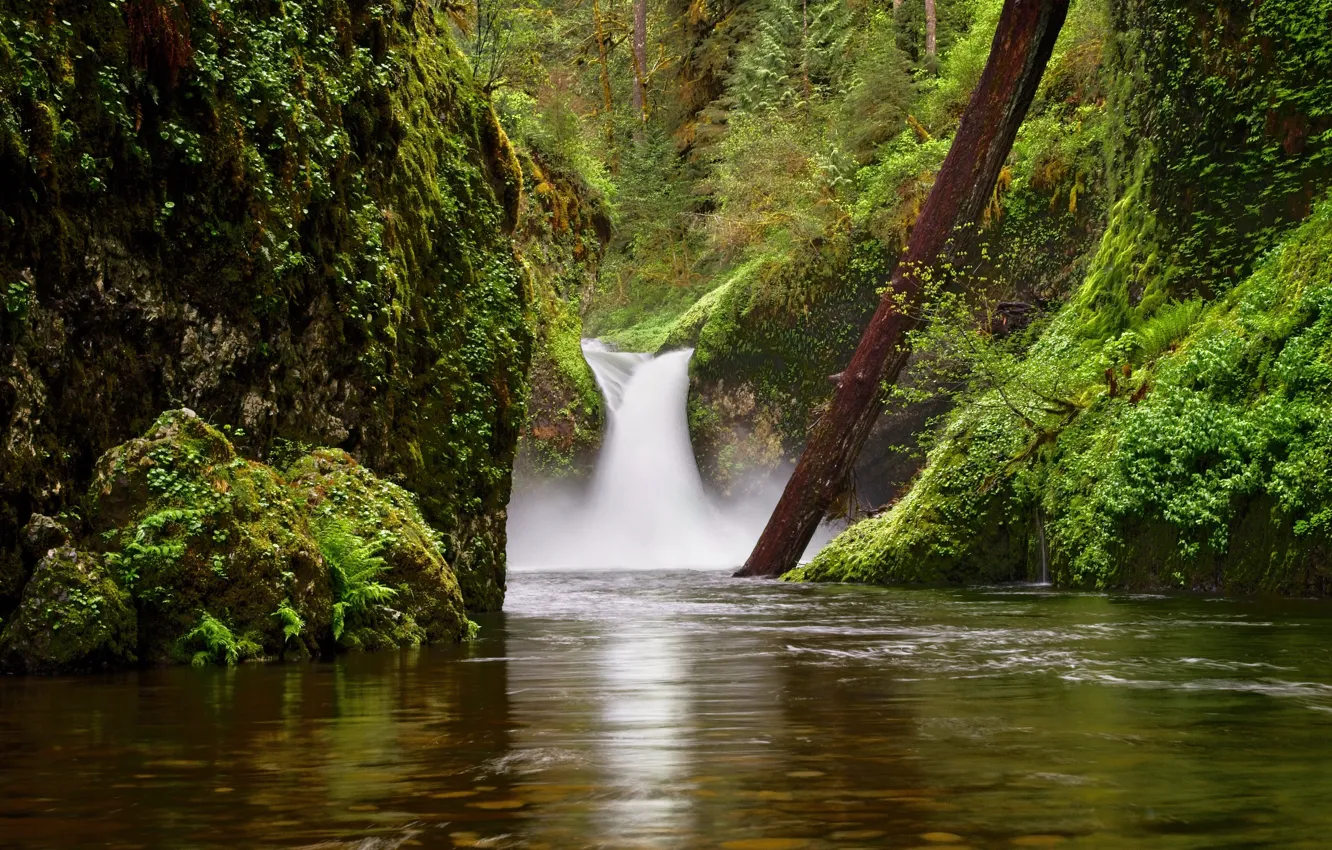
[646, 506]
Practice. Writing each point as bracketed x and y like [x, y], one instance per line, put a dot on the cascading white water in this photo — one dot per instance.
[646, 506]
[647, 501]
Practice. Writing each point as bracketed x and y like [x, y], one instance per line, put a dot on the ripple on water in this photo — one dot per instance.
[679, 709]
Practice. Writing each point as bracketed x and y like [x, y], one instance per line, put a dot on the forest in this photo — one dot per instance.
[391, 242]
[379, 337]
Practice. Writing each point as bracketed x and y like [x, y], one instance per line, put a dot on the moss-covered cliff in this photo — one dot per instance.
[290, 218]
[1170, 426]
[565, 226]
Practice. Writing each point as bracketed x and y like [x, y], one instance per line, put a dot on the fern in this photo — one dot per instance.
[1170, 325]
[213, 642]
[292, 624]
[353, 566]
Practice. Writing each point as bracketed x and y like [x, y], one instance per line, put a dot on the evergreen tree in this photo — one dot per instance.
[767, 74]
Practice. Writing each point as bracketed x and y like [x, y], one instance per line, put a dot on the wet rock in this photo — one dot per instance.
[193, 529]
[73, 616]
[41, 535]
[476, 552]
[427, 604]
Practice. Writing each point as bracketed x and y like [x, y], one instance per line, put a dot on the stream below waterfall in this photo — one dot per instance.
[685, 709]
[623, 702]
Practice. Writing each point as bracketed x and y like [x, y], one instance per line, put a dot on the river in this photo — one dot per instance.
[688, 709]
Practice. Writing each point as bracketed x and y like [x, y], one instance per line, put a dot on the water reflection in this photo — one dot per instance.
[645, 728]
[688, 710]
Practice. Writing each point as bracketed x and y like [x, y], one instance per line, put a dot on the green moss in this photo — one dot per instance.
[189, 526]
[364, 517]
[1205, 467]
[563, 230]
[955, 524]
[292, 217]
[73, 616]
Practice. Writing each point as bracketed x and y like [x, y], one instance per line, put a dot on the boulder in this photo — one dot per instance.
[351, 508]
[198, 533]
[73, 616]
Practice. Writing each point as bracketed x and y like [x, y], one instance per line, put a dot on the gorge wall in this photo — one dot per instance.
[1169, 426]
[293, 220]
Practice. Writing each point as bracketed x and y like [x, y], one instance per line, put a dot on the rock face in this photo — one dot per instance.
[565, 228]
[294, 220]
[190, 552]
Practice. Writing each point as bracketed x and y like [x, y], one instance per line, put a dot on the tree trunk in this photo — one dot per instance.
[1021, 48]
[804, 51]
[599, 31]
[931, 24]
[640, 62]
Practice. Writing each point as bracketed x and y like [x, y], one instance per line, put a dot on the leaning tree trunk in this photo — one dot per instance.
[1021, 49]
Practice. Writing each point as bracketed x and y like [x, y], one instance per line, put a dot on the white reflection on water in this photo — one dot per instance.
[645, 732]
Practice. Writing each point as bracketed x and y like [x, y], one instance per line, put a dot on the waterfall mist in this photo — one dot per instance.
[646, 505]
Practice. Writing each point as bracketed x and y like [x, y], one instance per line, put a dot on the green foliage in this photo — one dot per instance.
[944, 96]
[212, 642]
[552, 130]
[878, 88]
[776, 183]
[18, 295]
[792, 54]
[292, 622]
[353, 566]
[1163, 331]
[1206, 466]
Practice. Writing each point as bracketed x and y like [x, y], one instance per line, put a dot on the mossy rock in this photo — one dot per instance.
[562, 238]
[479, 563]
[73, 616]
[428, 605]
[191, 527]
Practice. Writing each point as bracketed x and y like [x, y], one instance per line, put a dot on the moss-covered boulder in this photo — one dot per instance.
[190, 552]
[350, 508]
[73, 616]
[193, 529]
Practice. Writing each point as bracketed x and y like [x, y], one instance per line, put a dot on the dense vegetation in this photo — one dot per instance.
[383, 228]
[1132, 357]
[783, 154]
[1169, 426]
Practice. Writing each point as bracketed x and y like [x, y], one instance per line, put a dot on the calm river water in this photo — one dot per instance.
[687, 709]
